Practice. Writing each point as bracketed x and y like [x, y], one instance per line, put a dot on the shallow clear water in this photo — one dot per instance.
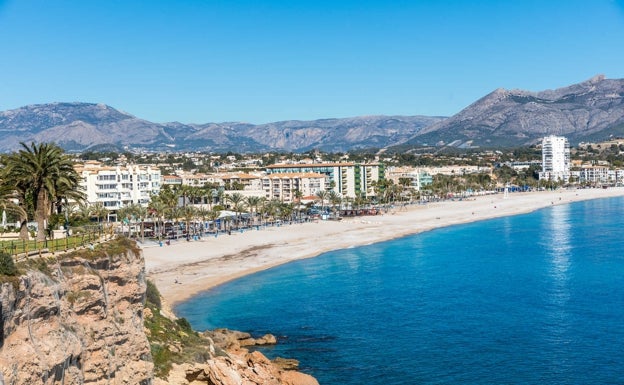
[529, 299]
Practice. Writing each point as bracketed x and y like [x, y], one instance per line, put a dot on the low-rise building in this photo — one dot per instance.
[418, 178]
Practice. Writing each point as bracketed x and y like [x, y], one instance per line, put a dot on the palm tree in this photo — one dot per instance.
[286, 211]
[253, 203]
[158, 211]
[189, 213]
[185, 192]
[124, 215]
[66, 190]
[360, 200]
[140, 213]
[237, 201]
[322, 195]
[298, 195]
[212, 216]
[203, 213]
[99, 211]
[42, 172]
[83, 211]
[7, 204]
[168, 197]
[335, 199]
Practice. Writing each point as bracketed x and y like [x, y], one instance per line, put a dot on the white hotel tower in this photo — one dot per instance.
[555, 159]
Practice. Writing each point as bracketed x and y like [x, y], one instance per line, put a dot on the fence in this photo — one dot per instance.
[24, 248]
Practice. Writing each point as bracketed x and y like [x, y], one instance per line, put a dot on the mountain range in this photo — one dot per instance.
[588, 111]
[591, 110]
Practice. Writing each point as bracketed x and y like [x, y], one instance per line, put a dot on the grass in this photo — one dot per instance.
[171, 341]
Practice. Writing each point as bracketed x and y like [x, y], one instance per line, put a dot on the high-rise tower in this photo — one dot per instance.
[555, 158]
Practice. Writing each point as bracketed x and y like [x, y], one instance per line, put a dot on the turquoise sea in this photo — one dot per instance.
[528, 299]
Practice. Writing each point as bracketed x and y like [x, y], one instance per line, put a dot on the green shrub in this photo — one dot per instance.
[184, 325]
[161, 356]
[153, 295]
[7, 265]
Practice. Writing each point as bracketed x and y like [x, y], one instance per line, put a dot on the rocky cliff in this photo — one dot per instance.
[82, 318]
[77, 320]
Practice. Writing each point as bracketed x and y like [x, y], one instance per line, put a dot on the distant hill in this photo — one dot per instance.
[588, 111]
[83, 126]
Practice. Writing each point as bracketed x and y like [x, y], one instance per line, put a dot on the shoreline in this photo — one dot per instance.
[185, 269]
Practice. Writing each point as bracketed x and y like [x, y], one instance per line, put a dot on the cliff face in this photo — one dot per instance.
[80, 319]
[79, 323]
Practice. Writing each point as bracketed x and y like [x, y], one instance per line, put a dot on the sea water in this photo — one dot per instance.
[527, 299]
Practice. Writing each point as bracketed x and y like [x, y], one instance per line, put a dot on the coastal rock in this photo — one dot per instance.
[239, 366]
[286, 363]
[233, 339]
[298, 378]
[78, 322]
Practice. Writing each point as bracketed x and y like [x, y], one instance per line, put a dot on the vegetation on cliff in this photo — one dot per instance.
[7, 266]
[171, 341]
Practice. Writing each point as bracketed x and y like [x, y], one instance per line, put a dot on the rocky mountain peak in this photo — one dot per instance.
[593, 109]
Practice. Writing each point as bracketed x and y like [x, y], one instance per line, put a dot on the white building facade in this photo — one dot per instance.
[347, 179]
[555, 159]
[284, 186]
[118, 186]
[418, 178]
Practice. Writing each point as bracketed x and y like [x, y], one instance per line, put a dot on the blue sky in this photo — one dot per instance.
[261, 61]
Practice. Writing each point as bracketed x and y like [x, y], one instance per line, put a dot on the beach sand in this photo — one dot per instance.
[186, 268]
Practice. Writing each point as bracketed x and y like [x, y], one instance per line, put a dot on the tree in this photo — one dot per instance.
[140, 212]
[7, 204]
[322, 195]
[189, 213]
[237, 204]
[335, 199]
[158, 210]
[7, 265]
[99, 211]
[45, 174]
[83, 212]
[253, 202]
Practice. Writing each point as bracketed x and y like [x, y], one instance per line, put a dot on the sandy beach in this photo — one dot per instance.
[185, 268]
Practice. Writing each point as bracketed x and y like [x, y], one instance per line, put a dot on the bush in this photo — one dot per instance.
[7, 265]
[152, 295]
[185, 325]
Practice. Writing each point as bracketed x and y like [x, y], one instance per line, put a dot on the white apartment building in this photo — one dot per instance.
[555, 159]
[418, 178]
[598, 174]
[347, 179]
[456, 170]
[118, 186]
[283, 186]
